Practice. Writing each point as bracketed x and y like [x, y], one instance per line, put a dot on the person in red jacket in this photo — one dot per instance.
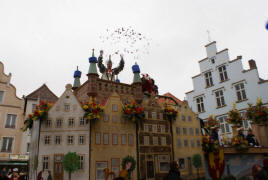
[15, 175]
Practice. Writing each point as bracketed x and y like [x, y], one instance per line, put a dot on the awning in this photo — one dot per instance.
[10, 163]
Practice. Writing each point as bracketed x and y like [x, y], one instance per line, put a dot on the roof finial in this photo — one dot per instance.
[209, 38]
[110, 57]
[77, 68]
[93, 52]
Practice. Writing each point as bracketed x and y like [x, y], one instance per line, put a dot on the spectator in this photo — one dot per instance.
[15, 175]
[252, 141]
[263, 174]
[39, 176]
[256, 170]
[49, 176]
[174, 173]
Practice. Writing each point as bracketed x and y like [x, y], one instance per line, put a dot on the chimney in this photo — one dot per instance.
[211, 49]
[252, 64]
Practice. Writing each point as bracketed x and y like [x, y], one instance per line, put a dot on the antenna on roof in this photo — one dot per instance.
[209, 38]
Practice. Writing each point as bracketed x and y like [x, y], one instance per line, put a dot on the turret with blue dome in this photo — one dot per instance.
[77, 76]
[92, 61]
[136, 71]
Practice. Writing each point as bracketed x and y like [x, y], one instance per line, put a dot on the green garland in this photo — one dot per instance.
[133, 164]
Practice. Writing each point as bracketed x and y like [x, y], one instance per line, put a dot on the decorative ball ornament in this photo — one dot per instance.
[266, 25]
[77, 73]
[92, 59]
[136, 68]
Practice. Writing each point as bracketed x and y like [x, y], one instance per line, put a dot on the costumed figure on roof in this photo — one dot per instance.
[148, 85]
[108, 73]
[252, 141]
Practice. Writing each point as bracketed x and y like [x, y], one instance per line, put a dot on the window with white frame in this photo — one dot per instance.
[57, 140]
[224, 125]
[81, 162]
[163, 141]
[45, 162]
[7, 144]
[71, 122]
[81, 139]
[114, 107]
[1, 96]
[154, 127]
[219, 98]
[245, 120]
[47, 139]
[146, 127]
[163, 128]
[208, 79]
[48, 123]
[100, 166]
[33, 107]
[115, 166]
[105, 138]
[58, 123]
[130, 139]
[123, 139]
[154, 115]
[97, 138]
[66, 107]
[11, 121]
[164, 164]
[115, 139]
[70, 140]
[155, 140]
[82, 121]
[223, 73]
[240, 92]
[146, 140]
[200, 104]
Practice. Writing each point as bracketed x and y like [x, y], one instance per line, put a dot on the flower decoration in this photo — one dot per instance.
[212, 123]
[170, 113]
[125, 161]
[239, 143]
[258, 114]
[39, 113]
[133, 111]
[92, 110]
[209, 144]
[234, 117]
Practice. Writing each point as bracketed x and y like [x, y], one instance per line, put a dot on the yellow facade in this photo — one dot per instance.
[112, 139]
[187, 140]
[11, 117]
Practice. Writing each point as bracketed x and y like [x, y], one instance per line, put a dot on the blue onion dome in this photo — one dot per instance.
[77, 73]
[136, 68]
[92, 59]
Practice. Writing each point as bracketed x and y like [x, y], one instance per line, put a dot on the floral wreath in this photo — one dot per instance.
[259, 113]
[234, 117]
[209, 144]
[126, 160]
[92, 110]
[170, 113]
[133, 111]
[239, 143]
[39, 113]
[212, 124]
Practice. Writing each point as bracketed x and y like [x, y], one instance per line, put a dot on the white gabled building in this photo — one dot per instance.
[65, 130]
[221, 83]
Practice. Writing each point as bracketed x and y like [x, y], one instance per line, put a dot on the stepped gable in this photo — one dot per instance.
[163, 100]
[44, 94]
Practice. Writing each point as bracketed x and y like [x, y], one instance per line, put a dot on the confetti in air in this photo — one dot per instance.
[125, 41]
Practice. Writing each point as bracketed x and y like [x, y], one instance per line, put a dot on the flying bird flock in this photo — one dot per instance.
[125, 41]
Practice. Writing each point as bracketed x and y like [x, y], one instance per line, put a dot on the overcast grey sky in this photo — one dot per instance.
[44, 41]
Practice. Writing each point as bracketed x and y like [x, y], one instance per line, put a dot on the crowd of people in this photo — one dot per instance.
[259, 172]
[12, 174]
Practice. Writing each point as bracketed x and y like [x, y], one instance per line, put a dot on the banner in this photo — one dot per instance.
[216, 164]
